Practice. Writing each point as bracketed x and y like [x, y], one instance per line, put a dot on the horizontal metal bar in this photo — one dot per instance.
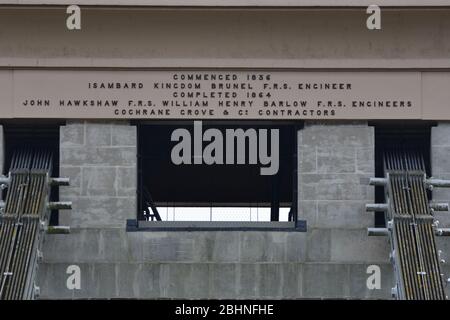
[58, 229]
[377, 232]
[5, 180]
[59, 181]
[438, 183]
[221, 225]
[442, 206]
[444, 232]
[60, 205]
[377, 181]
[377, 207]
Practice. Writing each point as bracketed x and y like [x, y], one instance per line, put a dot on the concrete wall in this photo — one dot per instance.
[335, 161]
[220, 265]
[100, 159]
[329, 261]
[225, 38]
[175, 264]
[440, 164]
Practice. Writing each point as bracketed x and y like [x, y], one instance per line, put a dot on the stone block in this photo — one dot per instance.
[248, 278]
[170, 248]
[105, 212]
[104, 283]
[318, 245]
[307, 210]
[292, 281]
[339, 159]
[358, 282]
[354, 246]
[72, 134]
[343, 214]
[98, 133]
[271, 281]
[124, 135]
[146, 280]
[74, 174]
[326, 281]
[296, 247]
[336, 134]
[88, 245]
[440, 160]
[334, 187]
[51, 278]
[365, 161]
[98, 156]
[126, 181]
[262, 246]
[184, 281]
[99, 181]
[223, 281]
[307, 158]
[440, 135]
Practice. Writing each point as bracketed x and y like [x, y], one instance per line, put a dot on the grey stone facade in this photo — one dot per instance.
[440, 165]
[100, 159]
[329, 261]
[335, 161]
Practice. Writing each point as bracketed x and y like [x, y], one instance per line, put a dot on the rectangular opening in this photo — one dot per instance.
[179, 189]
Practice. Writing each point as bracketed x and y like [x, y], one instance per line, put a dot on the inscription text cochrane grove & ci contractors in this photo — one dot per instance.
[215, 94]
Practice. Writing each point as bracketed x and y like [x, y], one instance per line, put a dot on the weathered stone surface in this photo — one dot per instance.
[355, 246]
[307, 158]
[329, 261]
[255, 246]
[100, 181]
[72, 134]
[307, 210]
[337, 134]
[117, 264]
[358, 281]
[440, 160]
[440, 134]
[326, 281]
[440, 166]
[123, 135]
[335, 186]
[98, 156]
[318, 245]
[103, 177]
[340, 214]
[223, 279]
[126, 181]
[100, 211]
[98, 133]
[74, 174]
[365, 160]
[336, 159]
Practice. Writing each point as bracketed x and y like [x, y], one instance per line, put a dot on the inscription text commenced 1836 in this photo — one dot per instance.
[216, 94]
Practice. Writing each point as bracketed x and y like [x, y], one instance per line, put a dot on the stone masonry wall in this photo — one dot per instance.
[329, 261]
[335, 162]
[100, 159]
[440, 166]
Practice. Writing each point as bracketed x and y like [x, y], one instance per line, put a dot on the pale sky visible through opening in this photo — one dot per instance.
[219, 214]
